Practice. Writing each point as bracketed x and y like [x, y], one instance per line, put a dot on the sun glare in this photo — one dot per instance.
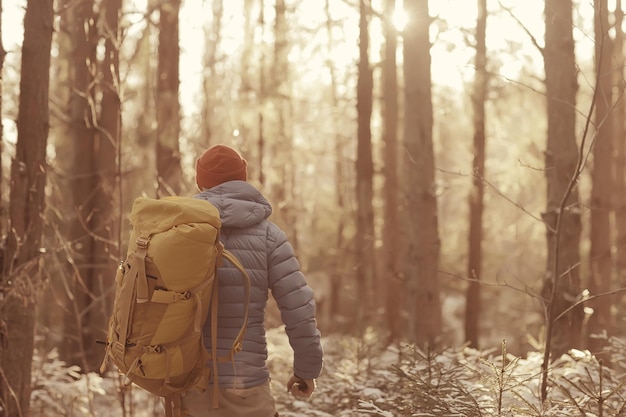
[399, 19]
[456, 13]
[12, 25]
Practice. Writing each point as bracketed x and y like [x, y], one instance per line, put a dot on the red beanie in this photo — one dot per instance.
[218, 164]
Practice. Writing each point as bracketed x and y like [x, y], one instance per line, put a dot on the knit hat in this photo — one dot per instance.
[218, 164]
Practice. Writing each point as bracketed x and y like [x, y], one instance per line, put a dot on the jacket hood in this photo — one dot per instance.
[240, 204]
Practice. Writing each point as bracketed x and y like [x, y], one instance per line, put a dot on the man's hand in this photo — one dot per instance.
[300, 388]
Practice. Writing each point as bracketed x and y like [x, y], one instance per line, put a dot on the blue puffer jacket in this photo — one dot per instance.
[263, 249]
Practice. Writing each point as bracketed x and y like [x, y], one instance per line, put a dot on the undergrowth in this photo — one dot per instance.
[363, 378]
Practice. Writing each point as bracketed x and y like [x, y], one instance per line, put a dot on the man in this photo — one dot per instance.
[264, 251]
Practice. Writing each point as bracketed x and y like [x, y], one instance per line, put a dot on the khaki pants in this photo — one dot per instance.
[233, 402]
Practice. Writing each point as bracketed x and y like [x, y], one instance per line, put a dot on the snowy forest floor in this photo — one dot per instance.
[361, 378]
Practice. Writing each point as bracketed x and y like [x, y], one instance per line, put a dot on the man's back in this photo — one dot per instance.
[264, 251]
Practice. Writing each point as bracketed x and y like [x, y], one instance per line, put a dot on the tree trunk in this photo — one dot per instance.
[250, 97]
[479, 96]
[212, 39]
[391, 230]
[106, 222]
[364, 239]
[419, 208]
[283, 180]
[563, 227]
[339, 269]
[78, 41]
[601, 187]
[619, 135]
[169, 171]
[21, 274]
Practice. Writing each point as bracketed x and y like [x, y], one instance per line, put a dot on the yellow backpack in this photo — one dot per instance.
[164, 289]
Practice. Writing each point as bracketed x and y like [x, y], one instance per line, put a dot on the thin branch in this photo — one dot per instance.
[589, 298]
[532, 37]
[498, 192]
[11, 392]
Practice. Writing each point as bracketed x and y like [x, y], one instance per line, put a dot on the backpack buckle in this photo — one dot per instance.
[118, 348]
[142, 242]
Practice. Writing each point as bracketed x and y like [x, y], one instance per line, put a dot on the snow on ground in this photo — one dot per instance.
[361, 378]
[62, 391]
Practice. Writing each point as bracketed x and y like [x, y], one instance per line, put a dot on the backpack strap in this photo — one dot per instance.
[140, 263]
[137, 285]
[168, 297]
[173, 405]
[214, 344]
[238, 342]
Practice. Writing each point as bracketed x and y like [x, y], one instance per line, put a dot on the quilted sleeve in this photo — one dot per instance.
[297, 306]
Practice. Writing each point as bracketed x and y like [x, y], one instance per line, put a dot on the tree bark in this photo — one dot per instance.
[419, 208]
[392, 284]
[77, 43]
[21, 274]
[601, 187]
[169, 171]
[253, 95]
[108, 174]
[562, 280]
[212, 39]
[473, 302]
[283, 181]
[619, 135]
[364, 239]
[339, 268]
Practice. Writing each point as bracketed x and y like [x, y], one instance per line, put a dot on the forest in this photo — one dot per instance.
[451, 174]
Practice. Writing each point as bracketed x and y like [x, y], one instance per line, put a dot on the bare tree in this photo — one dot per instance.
[391, 194]
[77, 45]
[108, 175]
[339, 268]
[364, 240]
[420, 261]
[601, 178]
[21, 275]
[619, 134]
[84, 181]
[212, 39]
[169, 171]
[253, 95]
[562, 215]
[283, 181]
[476, 205]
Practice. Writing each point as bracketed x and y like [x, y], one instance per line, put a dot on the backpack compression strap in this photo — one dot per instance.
[142, 280]
[137, 280]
